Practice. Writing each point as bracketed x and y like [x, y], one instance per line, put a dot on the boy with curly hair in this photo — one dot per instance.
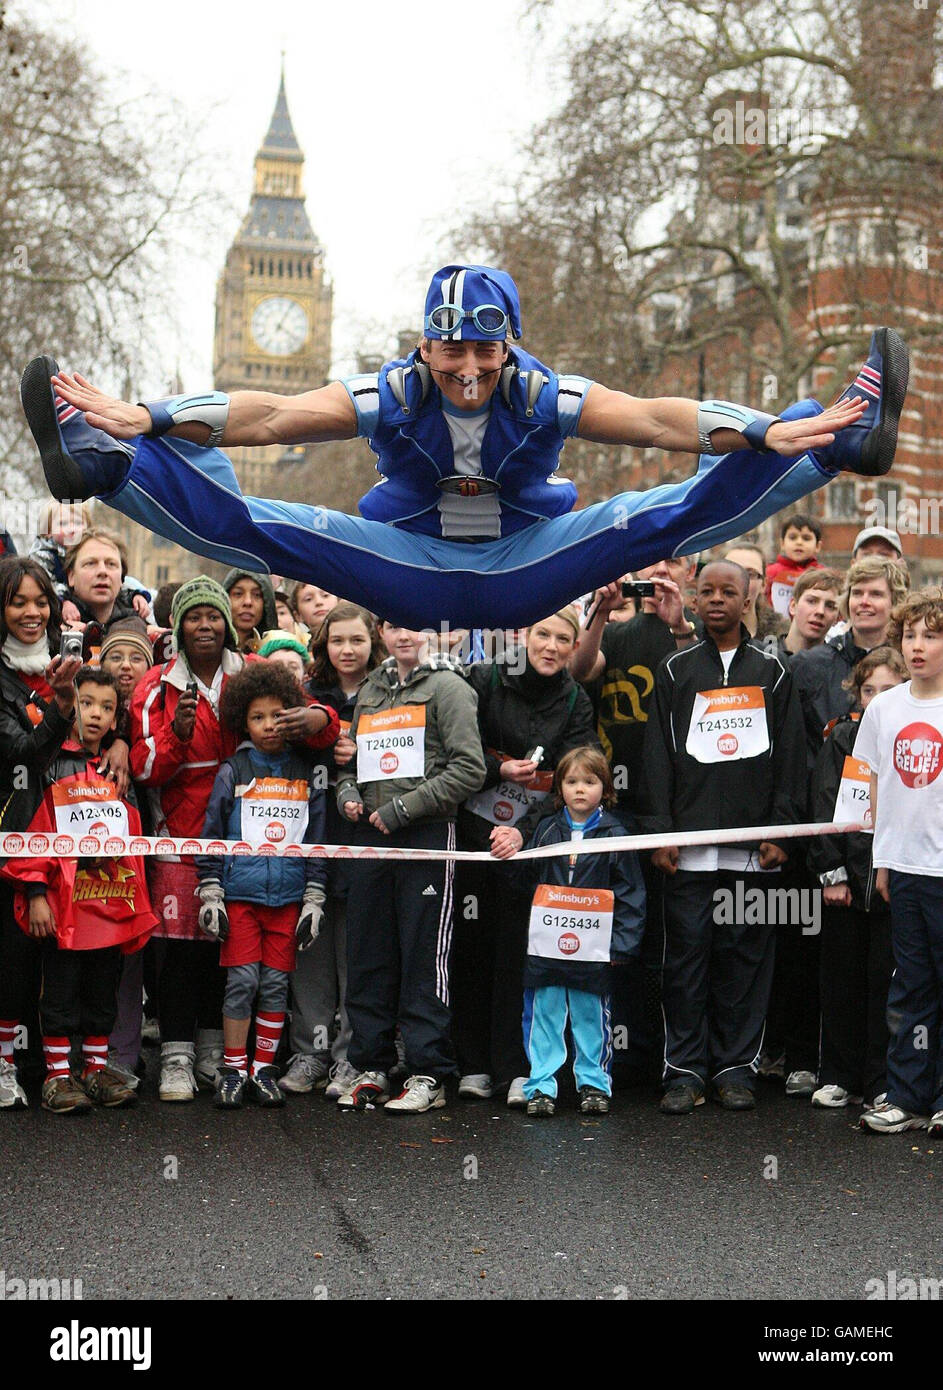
[260, 907]
[901, 740]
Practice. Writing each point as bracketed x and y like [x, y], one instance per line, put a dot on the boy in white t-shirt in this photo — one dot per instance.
[901, 739]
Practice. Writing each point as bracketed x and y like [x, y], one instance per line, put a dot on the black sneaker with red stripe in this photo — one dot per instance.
[868, 447]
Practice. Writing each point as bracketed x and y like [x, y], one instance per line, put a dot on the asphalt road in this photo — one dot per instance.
[470, 1202]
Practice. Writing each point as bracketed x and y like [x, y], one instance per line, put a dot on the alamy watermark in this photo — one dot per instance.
[895, 1288]
[908, 516]
[767, 125]
[774, 907]
[14, 1289]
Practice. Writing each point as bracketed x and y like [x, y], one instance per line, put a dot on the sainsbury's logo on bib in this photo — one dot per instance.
[728, 724]
[918, 755]
[585, 899]
[86, 791]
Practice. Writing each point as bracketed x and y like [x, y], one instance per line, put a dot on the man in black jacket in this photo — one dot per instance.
[723, 748]
[95, 572]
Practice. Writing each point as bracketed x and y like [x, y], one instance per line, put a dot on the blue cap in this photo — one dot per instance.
[470, 287]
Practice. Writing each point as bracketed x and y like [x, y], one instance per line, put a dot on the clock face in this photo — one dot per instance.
[279, 326]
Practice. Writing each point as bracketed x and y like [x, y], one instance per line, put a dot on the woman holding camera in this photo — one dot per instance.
[530, 712]
[37, 703]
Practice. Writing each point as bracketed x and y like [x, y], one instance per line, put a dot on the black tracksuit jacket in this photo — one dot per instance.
[685, 794]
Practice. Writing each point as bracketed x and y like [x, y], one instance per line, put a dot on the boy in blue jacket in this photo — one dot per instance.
[259, 907]
[588, 910]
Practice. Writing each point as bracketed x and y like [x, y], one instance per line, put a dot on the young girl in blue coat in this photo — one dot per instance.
[587, 912]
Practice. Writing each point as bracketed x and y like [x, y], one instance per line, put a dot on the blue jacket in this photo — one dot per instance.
[272, 880]
[519, 451]
[619, 872]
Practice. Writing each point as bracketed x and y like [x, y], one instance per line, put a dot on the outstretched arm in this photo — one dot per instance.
[670, 422]
[255, 417]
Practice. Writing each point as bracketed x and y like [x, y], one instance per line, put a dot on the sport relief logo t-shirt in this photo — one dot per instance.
[901, 740]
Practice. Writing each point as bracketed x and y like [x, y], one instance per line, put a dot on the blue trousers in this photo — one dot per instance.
[915, 1001]
[190, 495]
[545, 1017]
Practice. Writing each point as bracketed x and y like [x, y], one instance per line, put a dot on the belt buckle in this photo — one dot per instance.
[458, 484]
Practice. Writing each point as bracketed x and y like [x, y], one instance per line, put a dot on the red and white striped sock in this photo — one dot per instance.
[56, 1051]
[94, 1053]
[64, 410]
[268, 1031]
[237, 1058]
[8, 1027]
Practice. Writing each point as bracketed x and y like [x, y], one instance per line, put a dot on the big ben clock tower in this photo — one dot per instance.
[273, 298]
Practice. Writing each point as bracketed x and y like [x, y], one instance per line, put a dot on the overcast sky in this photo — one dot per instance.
[407, 114]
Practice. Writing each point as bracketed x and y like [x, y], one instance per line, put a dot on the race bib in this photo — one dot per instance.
[275, 811]
[853, 802]
[507, 802]
[89, 808]
[780, 593]
[571, 923]
[392, 743]
[728, 724]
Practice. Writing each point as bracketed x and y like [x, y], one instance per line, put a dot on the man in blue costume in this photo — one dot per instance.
[469, 524]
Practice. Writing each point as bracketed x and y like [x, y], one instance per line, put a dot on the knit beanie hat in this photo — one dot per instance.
[130, 631]
[192, 594]
[281, 641]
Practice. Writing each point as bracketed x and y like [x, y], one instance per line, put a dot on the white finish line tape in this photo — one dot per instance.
[17, 845]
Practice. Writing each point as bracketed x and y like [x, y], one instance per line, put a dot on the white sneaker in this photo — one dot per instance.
[935, 1127]
[305, 1073]
[209, 1057]
[12, 1095]
[343, 1076]
[516, 1096]
[367, 1089]
[476, 1086]
[800, 1083]
[870, 1105]
[420, 1093]
[891, 1119]
[177, 1081]
[832, 1097]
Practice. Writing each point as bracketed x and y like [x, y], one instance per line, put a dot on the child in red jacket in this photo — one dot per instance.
[88, 912]
[800, 539]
